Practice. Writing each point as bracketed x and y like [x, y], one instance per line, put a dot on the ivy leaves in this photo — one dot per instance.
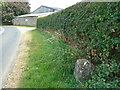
[94, 28]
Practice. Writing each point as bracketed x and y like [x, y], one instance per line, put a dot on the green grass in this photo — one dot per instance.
[50, 63]
[95, 31]
[23, 26]
[20, 26]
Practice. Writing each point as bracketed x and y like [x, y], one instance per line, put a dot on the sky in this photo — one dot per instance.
[34, 4]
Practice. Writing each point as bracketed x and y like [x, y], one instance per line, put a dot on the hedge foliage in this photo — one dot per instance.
[94, 28]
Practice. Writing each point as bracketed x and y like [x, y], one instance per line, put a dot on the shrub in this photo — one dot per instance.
[94, 28]
[9, 11]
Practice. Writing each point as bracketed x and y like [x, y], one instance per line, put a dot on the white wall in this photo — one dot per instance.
[28, 21]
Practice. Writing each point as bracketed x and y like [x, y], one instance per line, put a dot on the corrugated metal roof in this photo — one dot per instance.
[54, 8]
[37, 15]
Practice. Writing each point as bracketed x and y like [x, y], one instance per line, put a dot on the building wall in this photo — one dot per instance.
[31, 20]
[27, 21]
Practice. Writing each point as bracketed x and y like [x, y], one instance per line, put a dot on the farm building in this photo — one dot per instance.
[44, 9]
[31, 19]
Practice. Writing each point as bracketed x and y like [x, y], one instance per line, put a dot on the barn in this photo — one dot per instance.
[31, 19]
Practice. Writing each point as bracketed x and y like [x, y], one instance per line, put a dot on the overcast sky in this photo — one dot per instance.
[52, 3]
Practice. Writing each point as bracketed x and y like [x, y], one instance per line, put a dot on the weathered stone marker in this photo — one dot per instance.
[83, 69]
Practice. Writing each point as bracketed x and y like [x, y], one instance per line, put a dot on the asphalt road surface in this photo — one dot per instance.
[9, 42]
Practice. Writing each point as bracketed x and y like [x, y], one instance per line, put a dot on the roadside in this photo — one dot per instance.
[22, 26]
[10, 41]
[50, 63]
[20, 62]
[1, 30]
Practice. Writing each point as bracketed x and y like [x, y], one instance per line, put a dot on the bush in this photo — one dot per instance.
[9, 11]
[94, 28]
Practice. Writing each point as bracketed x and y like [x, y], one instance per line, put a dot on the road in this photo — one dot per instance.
[9, 42]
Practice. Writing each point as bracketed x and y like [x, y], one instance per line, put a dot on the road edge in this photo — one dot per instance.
[1, 30]
[20, 63]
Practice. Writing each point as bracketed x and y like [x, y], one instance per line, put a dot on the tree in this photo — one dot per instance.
[12, 9]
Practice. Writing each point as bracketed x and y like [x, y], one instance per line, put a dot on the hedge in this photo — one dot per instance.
[94, 28]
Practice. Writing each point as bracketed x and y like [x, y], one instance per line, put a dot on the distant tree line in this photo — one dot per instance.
[12, 9]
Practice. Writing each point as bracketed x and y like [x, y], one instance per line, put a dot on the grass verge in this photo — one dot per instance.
[22, 26]
[20, 62]
[19, 26]
[50, 63]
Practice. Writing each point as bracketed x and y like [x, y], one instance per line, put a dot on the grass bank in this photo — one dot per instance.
[50, 63]
[18, 25]
[94, 29]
